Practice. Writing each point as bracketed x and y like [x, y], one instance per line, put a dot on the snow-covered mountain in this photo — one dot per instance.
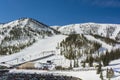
[21, 33]
[106, 30]
[32, 41]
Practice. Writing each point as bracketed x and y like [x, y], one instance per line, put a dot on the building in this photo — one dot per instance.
[27, 65]
[37, 65]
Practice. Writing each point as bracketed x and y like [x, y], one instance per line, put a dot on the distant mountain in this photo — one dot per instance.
[105, 30]
[21, 33]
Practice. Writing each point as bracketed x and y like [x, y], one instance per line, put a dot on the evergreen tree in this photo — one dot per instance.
[91, 61]
[101, 76]
[70, 64]
[99, 68]
[107, 73]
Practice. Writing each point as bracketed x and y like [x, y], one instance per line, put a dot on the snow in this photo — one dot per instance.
[77, 29]
[117, 30]
[34, 51]
[117, 46]
[56, 27]
[58, 60]
[33, 25]
[115, 64]
[46, 47]
[85, 28]
[7, 65]
[102, 30]
[104, 45]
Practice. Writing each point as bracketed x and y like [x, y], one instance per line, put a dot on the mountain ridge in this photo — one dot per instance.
[22, 32]
[106, 30]
[27, 40]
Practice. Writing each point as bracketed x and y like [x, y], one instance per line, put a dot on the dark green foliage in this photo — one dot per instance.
[83, 64]
[3, 67]
[101, 76]
[69, 45]
[99, 70]
[70, 64]
[13, 49]
[96, 45]
[109, 56]
[105, 58]
[16, 32]
[91, 59]
[107, 73]
[106, 39]
[72, 47]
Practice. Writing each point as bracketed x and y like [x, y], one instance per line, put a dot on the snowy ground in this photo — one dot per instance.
[42, 47]
[47, 46]
[115, 65]
[104, 45]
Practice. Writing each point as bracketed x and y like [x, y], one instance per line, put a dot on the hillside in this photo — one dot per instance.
[41, 48]
[105, 30]
[18, 34]
[77, 47]
[32, 39]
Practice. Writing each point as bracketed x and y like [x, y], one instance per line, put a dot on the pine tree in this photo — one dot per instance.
[99, 68]
[70, 64]
[91, 61]
[77, 64]
[107, 73]
[101, 75]
[74, 63]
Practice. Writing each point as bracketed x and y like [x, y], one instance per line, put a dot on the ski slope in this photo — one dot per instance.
[104, 45]
[34, 51]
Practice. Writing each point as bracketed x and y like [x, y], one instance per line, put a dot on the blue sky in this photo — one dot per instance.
[61, 12]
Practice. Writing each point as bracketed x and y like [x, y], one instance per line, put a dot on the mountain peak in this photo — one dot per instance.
[22, 32]
[105, 30]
